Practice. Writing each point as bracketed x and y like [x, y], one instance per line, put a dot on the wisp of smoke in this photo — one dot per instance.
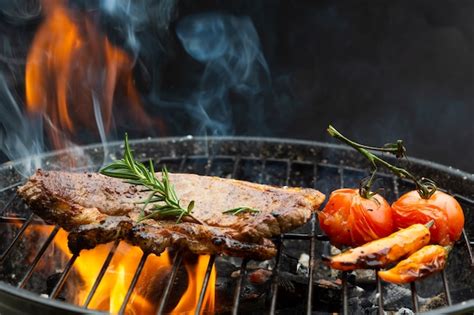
[235, 72]
[20, 138]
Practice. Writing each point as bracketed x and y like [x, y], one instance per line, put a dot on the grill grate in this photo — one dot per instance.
[325, 177]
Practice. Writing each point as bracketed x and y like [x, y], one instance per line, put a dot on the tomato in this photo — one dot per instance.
[351, 220]
[442, 208]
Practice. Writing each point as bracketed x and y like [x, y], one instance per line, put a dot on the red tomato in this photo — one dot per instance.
[442, 208]
[349, 219]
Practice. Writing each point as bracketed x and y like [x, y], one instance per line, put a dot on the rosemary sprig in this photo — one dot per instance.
[238, 210]
[162, 195]
[425, 186]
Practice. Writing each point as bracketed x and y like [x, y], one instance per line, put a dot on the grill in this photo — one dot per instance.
[270, 161]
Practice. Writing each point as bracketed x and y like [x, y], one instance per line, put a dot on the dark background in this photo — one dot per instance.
[377, 70]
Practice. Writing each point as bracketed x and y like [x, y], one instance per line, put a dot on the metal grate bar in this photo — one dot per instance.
[236, 167]
[261, 175]
[274, 286]
[446, 287]
[340, 170]
[101, 274]
[207, 168]
[12, 220]
[38, 257]
[345, 294]
[205, 284]
[380, 293]
[178, 258]
[464, 234]
[9, 202]
[17, 237]
[59, 285]
[12, 186]
[133, 283]
[279, 241]
[464, 198]
[414, 297]
[296, 236]
[468, 246]
[312, 264]
[238, 287]
[396, 188]
[243, 267]
[304, 237]
[184, 158]
[288, 173]
[312, 249]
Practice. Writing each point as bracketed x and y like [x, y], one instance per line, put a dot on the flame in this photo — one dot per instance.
[114, 285]
[117, 295]
[196, 273]
[71, 67]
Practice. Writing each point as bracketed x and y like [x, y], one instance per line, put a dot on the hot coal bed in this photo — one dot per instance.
[36, 277]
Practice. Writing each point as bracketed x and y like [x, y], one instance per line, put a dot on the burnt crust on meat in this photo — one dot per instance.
[154, 237]
[97, 209]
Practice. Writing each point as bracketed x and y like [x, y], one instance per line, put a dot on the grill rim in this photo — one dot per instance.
[286, 141]
[12, 296]
[52, 304]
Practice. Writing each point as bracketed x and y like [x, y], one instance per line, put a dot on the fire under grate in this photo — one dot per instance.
[324, 167]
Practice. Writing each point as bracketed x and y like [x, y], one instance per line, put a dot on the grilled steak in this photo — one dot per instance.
[97, 209]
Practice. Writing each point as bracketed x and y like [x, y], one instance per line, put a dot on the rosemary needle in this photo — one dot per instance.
[238, 210]
[163, 198]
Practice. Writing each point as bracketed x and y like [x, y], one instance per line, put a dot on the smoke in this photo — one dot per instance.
[20, 11]
[233, 76]
[20, 137]
[132, 20]
[235, 72]
[100, 126]
[230, 75]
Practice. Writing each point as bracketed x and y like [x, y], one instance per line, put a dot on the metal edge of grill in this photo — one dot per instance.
[292, 151]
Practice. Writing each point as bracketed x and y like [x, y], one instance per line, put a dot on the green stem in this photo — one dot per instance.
[426, 187]
[157, 214]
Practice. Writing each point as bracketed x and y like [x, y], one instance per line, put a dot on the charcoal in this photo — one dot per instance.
[395, 297]
[434, 302]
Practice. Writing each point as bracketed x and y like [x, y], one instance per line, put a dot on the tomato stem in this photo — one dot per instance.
[425, 186]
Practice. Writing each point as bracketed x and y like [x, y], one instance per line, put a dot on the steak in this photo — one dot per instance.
[97, 209]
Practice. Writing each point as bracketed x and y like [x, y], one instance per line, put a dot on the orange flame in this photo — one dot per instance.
[118, 291]
[189, 300]
[114, 285]
[70, 66]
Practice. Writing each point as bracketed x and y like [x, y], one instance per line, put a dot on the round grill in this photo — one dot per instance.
[269, 161]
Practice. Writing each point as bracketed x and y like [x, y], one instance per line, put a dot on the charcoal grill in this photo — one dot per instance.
[271, 161]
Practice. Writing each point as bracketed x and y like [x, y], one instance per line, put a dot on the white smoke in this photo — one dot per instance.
[235, 69]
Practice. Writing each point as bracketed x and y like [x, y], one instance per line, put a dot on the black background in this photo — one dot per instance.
[377, 70]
